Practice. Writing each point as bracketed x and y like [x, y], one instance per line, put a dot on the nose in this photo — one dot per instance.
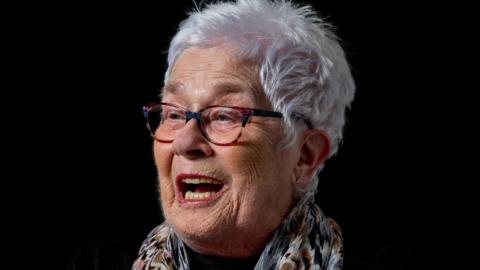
[190, 142]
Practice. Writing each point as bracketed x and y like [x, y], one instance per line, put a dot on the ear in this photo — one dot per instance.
[315, 149]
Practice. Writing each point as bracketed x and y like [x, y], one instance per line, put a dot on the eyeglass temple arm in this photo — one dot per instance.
[265, 113]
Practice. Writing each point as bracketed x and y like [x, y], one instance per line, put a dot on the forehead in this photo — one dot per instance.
[214, 71]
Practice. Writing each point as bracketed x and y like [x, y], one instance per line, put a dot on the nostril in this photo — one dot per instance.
[195, 153]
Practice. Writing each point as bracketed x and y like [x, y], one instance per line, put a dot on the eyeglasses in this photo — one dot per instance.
[220, 125]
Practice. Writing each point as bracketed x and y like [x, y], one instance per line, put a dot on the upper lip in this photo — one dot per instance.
[182, 176]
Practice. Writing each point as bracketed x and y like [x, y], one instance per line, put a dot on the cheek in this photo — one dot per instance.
[257, 167]
[163, 162]
[163, 158]
[260, 158]
[262, 188]
[260, 164]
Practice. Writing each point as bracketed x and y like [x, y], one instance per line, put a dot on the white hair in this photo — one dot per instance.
[302, 67]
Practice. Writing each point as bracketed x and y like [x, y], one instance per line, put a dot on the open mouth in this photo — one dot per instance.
[198, 188]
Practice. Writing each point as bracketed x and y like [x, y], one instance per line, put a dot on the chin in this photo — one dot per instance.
[202, 237]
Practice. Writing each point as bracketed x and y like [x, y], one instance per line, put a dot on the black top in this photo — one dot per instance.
[202, 262]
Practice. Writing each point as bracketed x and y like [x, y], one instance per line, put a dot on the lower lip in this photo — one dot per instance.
[204, 202]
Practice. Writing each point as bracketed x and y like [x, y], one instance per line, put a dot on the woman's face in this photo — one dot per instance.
[248, 186]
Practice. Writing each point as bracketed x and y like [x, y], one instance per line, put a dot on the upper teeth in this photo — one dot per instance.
[200, 181]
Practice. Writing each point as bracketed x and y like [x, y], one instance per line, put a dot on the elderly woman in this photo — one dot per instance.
[253, 104]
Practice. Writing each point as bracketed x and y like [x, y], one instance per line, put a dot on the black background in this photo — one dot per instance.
[86, 155]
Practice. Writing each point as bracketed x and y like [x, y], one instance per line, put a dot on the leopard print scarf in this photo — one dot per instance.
[306, 239]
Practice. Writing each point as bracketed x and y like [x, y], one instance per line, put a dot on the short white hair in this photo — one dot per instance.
[302, 67]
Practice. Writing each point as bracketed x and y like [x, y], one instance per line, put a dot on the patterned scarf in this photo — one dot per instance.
[306, 239]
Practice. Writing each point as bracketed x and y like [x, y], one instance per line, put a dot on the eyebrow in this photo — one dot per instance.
[220, 88]
[171, 87]
[225, 88]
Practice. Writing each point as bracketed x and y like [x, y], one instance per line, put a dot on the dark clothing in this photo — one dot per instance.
[201, 262]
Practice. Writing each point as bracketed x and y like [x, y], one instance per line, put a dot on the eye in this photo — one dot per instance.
[224, 116]
[173, 115]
